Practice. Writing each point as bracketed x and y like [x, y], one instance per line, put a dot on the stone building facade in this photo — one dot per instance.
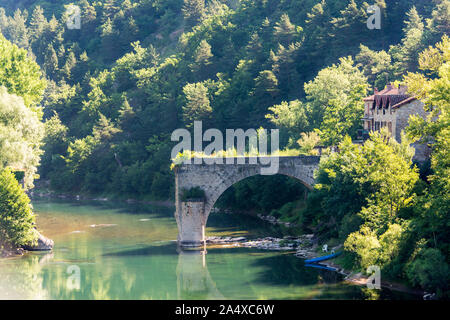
[392, 108]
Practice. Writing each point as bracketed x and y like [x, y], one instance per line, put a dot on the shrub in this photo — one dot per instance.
[16, 217]
[429, 270]
[195, 193]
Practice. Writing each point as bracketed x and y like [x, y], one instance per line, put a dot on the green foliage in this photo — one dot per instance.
[432, 219]
[376, 66]
[198, 105]
[429, 270]
[193, 11]
[137, 70]
[195, 193]
[308, 142]
[372, 249]
[352, 181]
[335, 97]
[19, 74]
[21, 133]
[16, 217]
[291, 117]
[256, 194]
[55, 144]
[142, 66]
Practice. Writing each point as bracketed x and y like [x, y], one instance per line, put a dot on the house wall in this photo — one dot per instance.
[397, 120]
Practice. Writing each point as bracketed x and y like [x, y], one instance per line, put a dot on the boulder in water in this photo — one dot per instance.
[43, 244]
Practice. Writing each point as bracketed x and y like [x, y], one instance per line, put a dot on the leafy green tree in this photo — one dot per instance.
[16, 217]
[266, 84]
[335, 100]
[70, 63]
[343, 116]
[290, 116]
[17, 30]
[352, 181]
[429, 270]
[350, 24]
[55, 145]
[19, 74]
[21, 133]
[51, 65]
[439, 23]
[376, 66]
[434, 91]
[372, 249]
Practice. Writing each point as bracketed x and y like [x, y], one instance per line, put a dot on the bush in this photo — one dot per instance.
[192, 194]
[429, 270]
[16, 218]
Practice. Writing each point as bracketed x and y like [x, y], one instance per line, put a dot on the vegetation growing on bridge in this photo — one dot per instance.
[192, 194]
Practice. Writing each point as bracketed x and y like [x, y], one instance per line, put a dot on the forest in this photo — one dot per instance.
[95, 108]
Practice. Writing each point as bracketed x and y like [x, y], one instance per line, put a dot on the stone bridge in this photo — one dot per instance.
[214, 179]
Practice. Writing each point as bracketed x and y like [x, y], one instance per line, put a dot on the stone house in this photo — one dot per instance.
[392, 108]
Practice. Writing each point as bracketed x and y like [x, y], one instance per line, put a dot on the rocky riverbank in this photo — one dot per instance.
[273, 220]
[304, 247]
[11, 253]
[42, 244]
[287, 243]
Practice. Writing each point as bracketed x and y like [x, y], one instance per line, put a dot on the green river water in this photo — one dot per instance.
[124, 251]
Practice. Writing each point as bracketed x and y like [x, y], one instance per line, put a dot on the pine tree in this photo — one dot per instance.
[50, 61]
[284, 67]
[193, 11]
[203, 57]
[407, 53]
[17, 30]
[285, 30]
[37, 23]
[198, 105]
[71, 62]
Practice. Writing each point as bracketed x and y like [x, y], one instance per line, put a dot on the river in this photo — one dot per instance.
[106, 250]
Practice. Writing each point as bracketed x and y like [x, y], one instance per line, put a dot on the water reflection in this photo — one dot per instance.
[25, 282]
[193, 278]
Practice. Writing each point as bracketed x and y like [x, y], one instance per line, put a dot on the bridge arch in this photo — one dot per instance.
[214, 180]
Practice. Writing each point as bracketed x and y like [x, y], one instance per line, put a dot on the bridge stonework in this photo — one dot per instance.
[214, 179]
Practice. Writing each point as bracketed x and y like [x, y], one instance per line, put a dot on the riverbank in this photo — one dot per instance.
[305, 247]
[37, 193]
[12, 253]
